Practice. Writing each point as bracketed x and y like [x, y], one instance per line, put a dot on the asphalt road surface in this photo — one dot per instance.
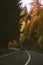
[21, 57]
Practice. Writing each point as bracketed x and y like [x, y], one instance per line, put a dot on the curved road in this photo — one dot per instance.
[21, 57]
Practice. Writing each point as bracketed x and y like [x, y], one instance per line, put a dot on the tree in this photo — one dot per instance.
[9, 22]
[36, 28]
[32, 31]
[24, 20]
[40, 31]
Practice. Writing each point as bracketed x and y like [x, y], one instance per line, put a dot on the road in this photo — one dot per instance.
[22, 57]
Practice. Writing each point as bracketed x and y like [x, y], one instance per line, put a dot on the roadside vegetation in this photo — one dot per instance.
[23, 30]
[31, 36]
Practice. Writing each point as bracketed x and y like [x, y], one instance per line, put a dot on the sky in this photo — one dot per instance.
[26, 3]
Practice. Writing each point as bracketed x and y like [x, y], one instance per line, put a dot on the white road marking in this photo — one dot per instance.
[29, 58]
[3, 49]
[8, 54]
[15, 49]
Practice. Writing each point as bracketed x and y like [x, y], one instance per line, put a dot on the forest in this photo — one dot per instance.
[21, 29]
